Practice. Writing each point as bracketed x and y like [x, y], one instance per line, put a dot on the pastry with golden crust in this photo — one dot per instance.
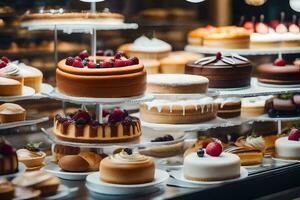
[59, 151]
[31, 155]
[10, 112]
[127, 167]
[10, 87]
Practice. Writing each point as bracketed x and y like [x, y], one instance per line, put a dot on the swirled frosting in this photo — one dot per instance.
[124, 157]
[149, 45]
[11, 69]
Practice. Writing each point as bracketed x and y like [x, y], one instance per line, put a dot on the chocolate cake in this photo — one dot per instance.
[285, 105]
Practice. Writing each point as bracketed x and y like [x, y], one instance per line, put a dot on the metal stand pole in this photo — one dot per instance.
[279, 127]
[99, 117]
[55, 46]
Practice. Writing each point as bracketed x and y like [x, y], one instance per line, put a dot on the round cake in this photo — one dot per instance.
[211, 168]
[117, 126]
[127, 167]
[10, 112]
[176, 84]
[254, 106]
[190, 111]
[222, 71]
[119, 77]
[287, 149]
[278, 73]
[229, 107]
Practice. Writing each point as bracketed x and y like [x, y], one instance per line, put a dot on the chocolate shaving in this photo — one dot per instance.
[205, 61]
[228, 61]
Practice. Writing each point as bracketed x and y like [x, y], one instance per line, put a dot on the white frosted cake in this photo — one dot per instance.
[287, 149]
[210, 168]
[176, 83]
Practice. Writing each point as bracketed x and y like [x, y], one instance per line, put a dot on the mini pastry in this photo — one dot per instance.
[288, 147]
[31, 156]
[38, 180]
[59, 151]
[175, 62]
[7, 189]
[10, 112]
[229, 107]
[73, 163]
[254, 106]
[284, 105]
[127, 167]
[144, 47]
[190, 111]
[8, 158]
[211, 164]
[176, 84]
[222, 71]
[10, 87]
[151, 65]
[278, 73]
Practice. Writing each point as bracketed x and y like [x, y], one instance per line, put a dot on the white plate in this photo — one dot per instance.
[94, 184]
[46, 88]
[178, 175]
[252, 166]
[285, 160]
[22, 169]
[54, 169]
[26, 92]
[62, 193]
[23, 123]
[278, 86]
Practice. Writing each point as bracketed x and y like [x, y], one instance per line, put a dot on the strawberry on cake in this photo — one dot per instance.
[289, 147]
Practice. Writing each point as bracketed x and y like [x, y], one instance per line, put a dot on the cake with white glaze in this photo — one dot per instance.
[288, 147]
[187, 111]
[211, 164]
[229, 107]
[176, 83]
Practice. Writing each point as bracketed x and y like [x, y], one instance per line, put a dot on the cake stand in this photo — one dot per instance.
[27, 122]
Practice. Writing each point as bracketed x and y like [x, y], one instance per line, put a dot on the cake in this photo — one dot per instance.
[222, 71]
[211, 164]
[176, 84]
[254, 106]
[220, 37]
[59, 151]
[229, 107]
[278, 73]
[10, 112]
[288, 147]
[144, 47]
[127, 167]
[8, 158]
[114, 78]
[187, 111]
[79, 126]
[10, 87]
[31, 155]
[175, 62]
[151, 65]
[284, 105]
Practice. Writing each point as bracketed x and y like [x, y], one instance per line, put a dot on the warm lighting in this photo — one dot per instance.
[255, 2]
[295, 5]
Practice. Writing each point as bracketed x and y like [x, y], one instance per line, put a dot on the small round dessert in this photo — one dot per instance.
[32, 158]
[73, 163]
[10, 112]
[179, 112]
[119, 77]
[223, 72]
[278, 73]
[8, 158]
[176, 84]
[287, 149]
[284, 105]
[127, 167]
[118, 126]
[254, 106]
[229, 107]
[211, 168]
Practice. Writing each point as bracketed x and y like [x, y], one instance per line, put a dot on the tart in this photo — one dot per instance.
[118, 126]
[119, 77]
[222, 71]
[8, 158]
[10, 112]
[278, 73]
[176, 84]
[288, 147]
[31, 156]
[127, 167]
[190, 111]
[147, 48]
[229, 107]
[284, 105]
[254, 106]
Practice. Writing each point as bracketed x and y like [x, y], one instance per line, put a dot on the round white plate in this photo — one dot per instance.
[26, 92]
[278, 86]
[54, 169]
[285, 160]
[178, 175]
[62, 193]
[94, 184]
[172, 163]
[22, 169]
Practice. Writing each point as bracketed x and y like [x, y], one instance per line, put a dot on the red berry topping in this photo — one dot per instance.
[5, 59]
[107, 64]
[105, 113]
[279, 62]
[91, 64]
[119, 63]
[218, 55]
[69, 61]
[294, 134]
[77, 63]
[214, 149]
[118, 55]
[135, 60]
[261, 28]
[2, 64]
[249, 25]
[84, 54]
[99, 53]
[77, 58]
[81, 114]
[108, 52]
[117, 114]
[129, 62]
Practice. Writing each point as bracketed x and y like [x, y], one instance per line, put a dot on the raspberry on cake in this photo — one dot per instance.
[288, 147]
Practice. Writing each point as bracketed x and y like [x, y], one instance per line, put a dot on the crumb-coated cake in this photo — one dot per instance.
[211, 164]
[288, 147]
[108, 78]
[8, 158]
[284, 105]
[187, 111]
[127, 167]
[176, 83]
[222, 71]
[278, 73]
[117, 126]
[229, 107]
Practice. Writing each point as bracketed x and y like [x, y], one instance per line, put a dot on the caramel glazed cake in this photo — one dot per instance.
[190, 111]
